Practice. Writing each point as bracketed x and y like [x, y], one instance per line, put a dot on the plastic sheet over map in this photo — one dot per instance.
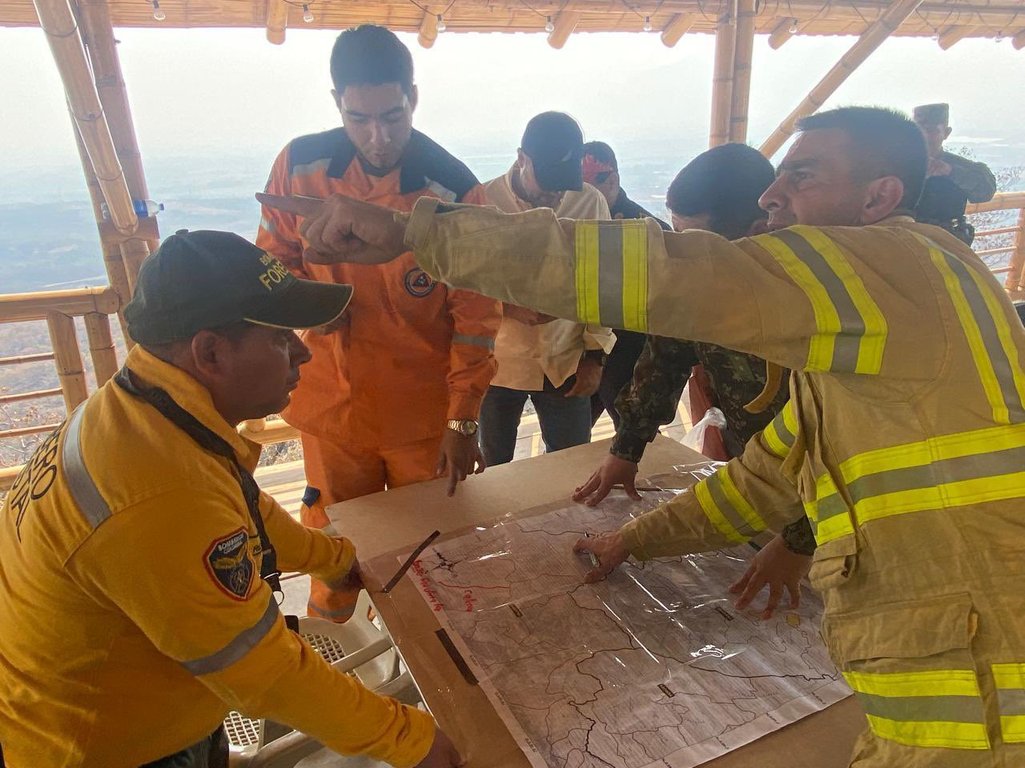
[652, 667]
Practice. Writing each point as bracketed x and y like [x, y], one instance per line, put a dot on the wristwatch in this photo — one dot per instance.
[596, 355]
[465, 427]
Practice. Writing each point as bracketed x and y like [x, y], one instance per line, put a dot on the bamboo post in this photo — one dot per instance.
[870, 39]
[952, 35]
[112, 261]
[677, 27]
[565, 23]
[277, 21]
[68, 359]
[1018, 41]
[781, 33]
[110, 86]
[1015, 281]
[722, 78]
[101, 347]
[743, 51]
[428, 30]
[62, 33]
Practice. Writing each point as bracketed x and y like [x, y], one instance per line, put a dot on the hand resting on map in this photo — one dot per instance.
[774, 566]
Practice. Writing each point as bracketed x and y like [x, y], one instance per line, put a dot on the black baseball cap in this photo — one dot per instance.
[208, 279]
[555, 144]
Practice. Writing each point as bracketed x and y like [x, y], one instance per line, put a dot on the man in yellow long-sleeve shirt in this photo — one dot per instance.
[904, 439]
[138, 556]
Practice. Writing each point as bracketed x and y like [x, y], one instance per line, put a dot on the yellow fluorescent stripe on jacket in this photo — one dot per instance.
[827, 321]
[983, 364]
[635, 275]
[923, 476]
[931, 708]
[1009, 679]
[716, 516]
[588, 309]
[873, 342]
[781, 433]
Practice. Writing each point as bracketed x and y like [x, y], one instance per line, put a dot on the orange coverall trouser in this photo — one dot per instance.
[341, 473]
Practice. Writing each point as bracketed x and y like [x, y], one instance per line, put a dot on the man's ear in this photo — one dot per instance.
[521, 159]
[882, 198]
[337, 97]
[207, 351]
[414, 98]
[946, 133]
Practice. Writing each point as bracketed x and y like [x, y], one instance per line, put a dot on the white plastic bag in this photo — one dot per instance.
[695, 437]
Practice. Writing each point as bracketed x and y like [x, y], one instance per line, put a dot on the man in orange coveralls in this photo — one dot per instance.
[392, 394]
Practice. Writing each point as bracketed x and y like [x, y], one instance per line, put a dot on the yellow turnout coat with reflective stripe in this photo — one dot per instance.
[903, 441]
[132, 613]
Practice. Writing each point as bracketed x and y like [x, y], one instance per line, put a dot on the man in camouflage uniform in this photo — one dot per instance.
[953, 181]
[717, 191]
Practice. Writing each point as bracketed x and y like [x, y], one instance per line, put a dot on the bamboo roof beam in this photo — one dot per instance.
[871, 39]
[428, 30]
[63, 35]
[565, 23]
[722, 79]
[277, 21]
[783, 31]
[677, 27]
[951, 35]
[743, 52]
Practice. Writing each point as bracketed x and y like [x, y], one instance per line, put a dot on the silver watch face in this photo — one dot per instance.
[468, 428]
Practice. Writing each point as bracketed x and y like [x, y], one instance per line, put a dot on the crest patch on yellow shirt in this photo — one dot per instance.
[228, 562]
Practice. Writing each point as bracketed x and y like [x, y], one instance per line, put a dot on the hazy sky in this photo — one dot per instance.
[198, 92]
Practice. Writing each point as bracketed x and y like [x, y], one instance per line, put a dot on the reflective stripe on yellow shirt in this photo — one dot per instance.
[612, 273]
[933, 708]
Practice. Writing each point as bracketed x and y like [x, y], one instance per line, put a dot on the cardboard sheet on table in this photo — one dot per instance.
[822, 740]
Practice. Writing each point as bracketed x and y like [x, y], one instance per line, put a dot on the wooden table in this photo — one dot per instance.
[384, 523]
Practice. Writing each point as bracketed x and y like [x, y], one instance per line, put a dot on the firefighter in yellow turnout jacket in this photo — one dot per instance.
[133, 614]
[904, 440]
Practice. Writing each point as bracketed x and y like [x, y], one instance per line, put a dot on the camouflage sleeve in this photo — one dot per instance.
[976, 180]
[651, 399]
[798, 537]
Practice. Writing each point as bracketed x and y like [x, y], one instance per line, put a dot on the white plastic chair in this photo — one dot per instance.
[357, 647]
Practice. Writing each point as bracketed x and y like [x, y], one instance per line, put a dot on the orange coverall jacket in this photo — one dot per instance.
[414, 352]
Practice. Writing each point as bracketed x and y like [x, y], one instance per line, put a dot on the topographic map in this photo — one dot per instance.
[653, 667]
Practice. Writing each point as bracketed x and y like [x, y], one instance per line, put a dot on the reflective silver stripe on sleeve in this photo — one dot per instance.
[239, 647]
[474, 341]
[84, 491]
[610, 273]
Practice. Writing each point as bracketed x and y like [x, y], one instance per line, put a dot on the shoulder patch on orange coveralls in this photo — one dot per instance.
[227, 561]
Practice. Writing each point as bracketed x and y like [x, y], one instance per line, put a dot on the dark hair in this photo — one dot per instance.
[601, 152]
[885, 142]
[371, 55]
[725, 182]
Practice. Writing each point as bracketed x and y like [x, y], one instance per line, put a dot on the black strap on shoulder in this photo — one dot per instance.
[210, 441]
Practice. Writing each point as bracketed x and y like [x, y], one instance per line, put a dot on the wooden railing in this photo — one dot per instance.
[1014, 272]
[59, 309]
